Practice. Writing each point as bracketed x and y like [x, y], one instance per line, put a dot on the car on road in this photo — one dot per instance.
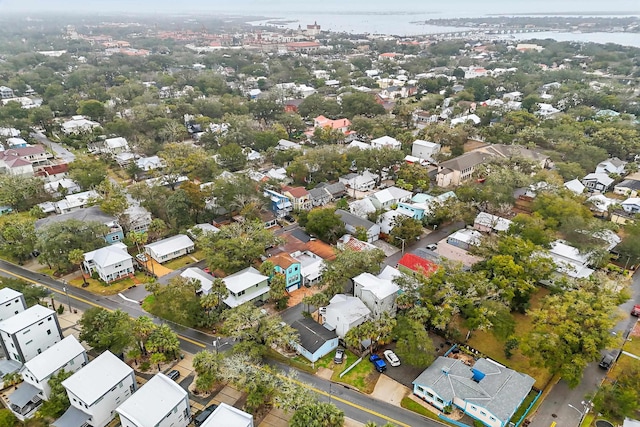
[208, 271]
[202, 416]
[173, 374]
[606, 361]
[290, 219]
[339, 357]
[378, 363]
[635, 311]
[391, 357]
[432, 246]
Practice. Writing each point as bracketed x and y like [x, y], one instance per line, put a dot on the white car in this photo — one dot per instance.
[391, 358]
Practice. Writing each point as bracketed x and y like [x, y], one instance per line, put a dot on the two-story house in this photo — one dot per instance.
[631, 205]
[344, 313]
[170, 248]
[280, 203]
[28, 333]
[78, 124]
[228, 416]
[96, 390]
[365, 181]
[136, 219]
[160, 402]
[246, 285]
[111, 263]
[290, 267]
[611, 166]
[378, 293]
[425, 150]
[385, 199]
[11, 303]
[299, 196]
[352, 223]
[598, 182]
[67, 354]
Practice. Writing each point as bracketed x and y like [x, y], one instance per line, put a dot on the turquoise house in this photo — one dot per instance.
[290, 267]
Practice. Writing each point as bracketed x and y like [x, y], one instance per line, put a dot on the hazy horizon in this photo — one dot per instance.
[285, 7]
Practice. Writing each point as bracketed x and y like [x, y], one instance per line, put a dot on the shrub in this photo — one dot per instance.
[145, 366]
[60, 309]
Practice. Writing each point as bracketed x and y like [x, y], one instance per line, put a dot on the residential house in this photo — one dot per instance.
[414, 264]
[149, 163]
[425, 150]
[474, 119]
[170, 248]
[362, 208]
[62, 187]
[11, 303]
[113, 231]
[112, 146]
[311, 266]
[280, 204]
[319, 196]
[352, 222]
[283, 145]
[67, 354]
[160, 402]
[487, 391]
[316, 341]
[202, 229]
[488, 223]
[12, 164]
[464, 238]
[6, 92]
[344, 313]
[569, 260]
[13, 143]
[291, 269]
[228, 416]
[268, 218]
[34, 154]
[575, 186]
[30, 332]
[388, 220]
[336, 190]
[628, 187]
[599, 182]
[299, 196]
[349, 242]
[76, 201]
[365, 181]
[359, 145]
[96, 390]
[246, 285]
[385, 199]
[379, 292]
[386, 141]
[340, 124]
[136, 218]
[546, 110]
[205, 279]
[77, 125]
[631, 205]
[111, 263]
[611, 166]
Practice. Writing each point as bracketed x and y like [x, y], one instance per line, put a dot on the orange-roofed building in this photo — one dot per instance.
[303, 46]
[290, 267]
[299, 196]
[339, 124]
[412, 264]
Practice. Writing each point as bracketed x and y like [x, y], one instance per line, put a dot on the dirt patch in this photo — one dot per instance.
[325, 373]
[390, 391]
[635, 332]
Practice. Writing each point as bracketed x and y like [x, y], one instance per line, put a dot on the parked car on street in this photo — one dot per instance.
[432, 246]
[606, 361]
[391, 358]
[635, 311]
[173, 374]
[339, 357]
[202, 416]
[378, 363]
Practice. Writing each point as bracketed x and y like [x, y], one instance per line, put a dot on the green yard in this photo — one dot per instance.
[408, 403]
[523, 407]
[100, 288]
[362, 376]
[184, 260]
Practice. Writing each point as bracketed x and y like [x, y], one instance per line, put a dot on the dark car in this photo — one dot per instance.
[339, 357]
[606, 361]
[202, 416]
[378, 363]
[289, 218]
[173, 374]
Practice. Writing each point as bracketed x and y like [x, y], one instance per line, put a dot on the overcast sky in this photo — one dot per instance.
[273, 7]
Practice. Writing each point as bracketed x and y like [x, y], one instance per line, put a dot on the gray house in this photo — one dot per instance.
[352, 222]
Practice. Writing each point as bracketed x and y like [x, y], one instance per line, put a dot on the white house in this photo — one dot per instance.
[611, 166]
[379, 292]
[160, 402]
[575, 186]
[62, 186]
[284, 144]
[206, 280]
[352, 223]
[76, 201]
[6, 92]
[96, 390]
[491, 223]
[67, 354]
[386, 141]
[246, 285]
[136, 218]
[365, 181]
[486, 391]
[78, 124]
[311, 266]
[28, 333]
[385, 199]
[631, 205]
[362, 207]
[167, 249]
[149, 163]
[345, 312]
[599, 182]
[112, 262]
[569, 260]
[387, 221]
[425, 150]
[115, 146]
[11, 303]
[228, 416]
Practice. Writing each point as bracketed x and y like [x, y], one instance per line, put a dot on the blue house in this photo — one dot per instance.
[413, 210]
[487, 391]
[316, 341]
[290, 267]
[280, 204]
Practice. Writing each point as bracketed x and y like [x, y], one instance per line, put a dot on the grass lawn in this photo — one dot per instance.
[523, 407]
[100, 288]
[624, 364]
[588, 419]
[408, 403]
[362, 376]
[488, 344]
[48, 271]
[184, 260]
[633, 342]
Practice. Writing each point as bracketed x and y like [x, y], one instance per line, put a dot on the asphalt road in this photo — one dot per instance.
[433, 237]
[58, 149]
[556, 406]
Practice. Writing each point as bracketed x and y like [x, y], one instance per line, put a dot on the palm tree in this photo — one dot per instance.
[163, 341]
[219, 289]
[143, 327]
[206, 362]
[76, 257]
[138, 239]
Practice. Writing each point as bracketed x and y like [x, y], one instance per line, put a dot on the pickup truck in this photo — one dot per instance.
[635, 311]
[378, 363]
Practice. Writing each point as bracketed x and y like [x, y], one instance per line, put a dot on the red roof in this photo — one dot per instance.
[296, 192]
[282, 260]
[417, 264]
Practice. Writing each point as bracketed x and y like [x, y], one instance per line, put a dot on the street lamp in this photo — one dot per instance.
[64, 289]
[215, 344]
[329, 392]
[403, 241]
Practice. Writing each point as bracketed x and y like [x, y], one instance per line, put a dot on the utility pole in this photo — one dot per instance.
[64, 289]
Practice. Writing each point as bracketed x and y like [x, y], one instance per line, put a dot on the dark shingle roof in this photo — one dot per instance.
[312, 334]
[353, 220]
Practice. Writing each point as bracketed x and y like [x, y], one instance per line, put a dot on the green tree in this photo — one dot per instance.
[57, 240]
[621, 399]
[8, 419]
[17, 236]
[33, 294]
[87, 172]
[113, 200]
[414, 346]
[181, 160]
[20, 192]
[569, 331]
[380, 162]
[361, 104]
[105, 330]
[325, 224]
[141, 330]
[164, 341]
[317, 415]
[406, 229]
[347, 264]
[76, 257]
[92, 108]
[232, 157]
[207, 366]
[178, 302]
[58, 401]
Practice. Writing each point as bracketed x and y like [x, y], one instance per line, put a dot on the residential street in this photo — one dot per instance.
[556, 406]
[432, 237]
[58, 149]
